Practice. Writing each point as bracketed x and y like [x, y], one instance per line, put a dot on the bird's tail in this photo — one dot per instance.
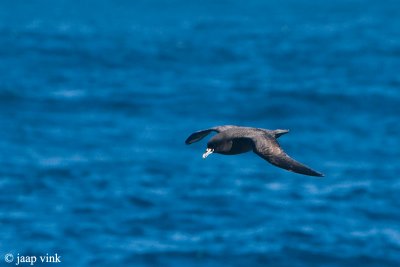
[279, 132]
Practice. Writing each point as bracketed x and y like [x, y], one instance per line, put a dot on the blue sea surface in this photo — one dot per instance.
[98, 97]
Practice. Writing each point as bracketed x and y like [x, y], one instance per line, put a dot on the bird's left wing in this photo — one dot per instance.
[269, 149]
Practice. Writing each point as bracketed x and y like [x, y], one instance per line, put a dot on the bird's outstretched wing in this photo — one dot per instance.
[197, 136]
[269, 149]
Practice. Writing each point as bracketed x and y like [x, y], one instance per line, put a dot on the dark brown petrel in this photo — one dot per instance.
[232, 140]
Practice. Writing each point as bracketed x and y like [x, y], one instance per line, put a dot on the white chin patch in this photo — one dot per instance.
[208, 152]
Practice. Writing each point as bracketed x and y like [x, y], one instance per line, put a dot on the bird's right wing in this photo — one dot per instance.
[269, 149]
[197, 136]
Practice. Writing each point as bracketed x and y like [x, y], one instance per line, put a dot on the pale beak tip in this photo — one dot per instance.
[208, 152]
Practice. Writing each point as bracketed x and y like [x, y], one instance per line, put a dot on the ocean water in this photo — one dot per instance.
[97, 98]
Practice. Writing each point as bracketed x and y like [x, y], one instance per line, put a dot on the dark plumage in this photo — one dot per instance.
[232, 140]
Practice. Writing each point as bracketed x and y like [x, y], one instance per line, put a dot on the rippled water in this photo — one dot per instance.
[97, 98]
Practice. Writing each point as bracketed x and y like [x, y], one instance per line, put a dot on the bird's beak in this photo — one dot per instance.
[208, 152]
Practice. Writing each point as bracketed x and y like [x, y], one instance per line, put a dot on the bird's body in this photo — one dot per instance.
[232, 140]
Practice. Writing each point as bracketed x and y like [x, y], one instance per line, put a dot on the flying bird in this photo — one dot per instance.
[232, 140]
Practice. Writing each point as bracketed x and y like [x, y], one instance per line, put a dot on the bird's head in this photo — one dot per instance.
[217, 145]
